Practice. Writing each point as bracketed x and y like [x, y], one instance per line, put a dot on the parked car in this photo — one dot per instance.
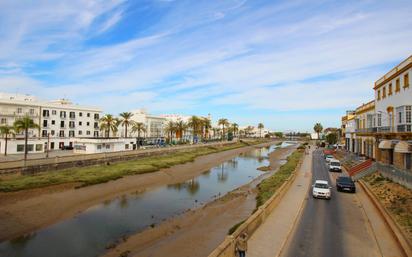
[328, 157]
[344, 183]
[321, 189]
[334, 165]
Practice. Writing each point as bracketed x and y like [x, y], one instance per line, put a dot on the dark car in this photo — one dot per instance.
[346, 184]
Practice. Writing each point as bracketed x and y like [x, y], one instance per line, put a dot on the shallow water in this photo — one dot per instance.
[98, 227]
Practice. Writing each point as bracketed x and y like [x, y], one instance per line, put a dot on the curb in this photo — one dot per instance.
[397, 233]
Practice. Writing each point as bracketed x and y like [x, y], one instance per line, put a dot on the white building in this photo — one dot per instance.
[103, 145]
[60, 122]
[153, 125]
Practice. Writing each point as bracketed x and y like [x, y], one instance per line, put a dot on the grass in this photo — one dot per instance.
[396, 198]
[269, 186]
[91, 175]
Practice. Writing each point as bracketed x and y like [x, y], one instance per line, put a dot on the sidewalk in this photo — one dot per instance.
[270, 237]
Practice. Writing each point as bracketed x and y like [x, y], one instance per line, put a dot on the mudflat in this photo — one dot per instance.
[25, 211]
[198, 232]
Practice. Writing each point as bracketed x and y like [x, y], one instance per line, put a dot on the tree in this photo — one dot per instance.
[207, 125]
[235, 128]
[109, 123]
[224, 123]
[318, 129]
[6, 131]
[332, 138]
[195, 123]
[138, 127]
[279, 134]
[24, 124]
[260, 127]
[126, 120]
[170, 128]
[181, 127]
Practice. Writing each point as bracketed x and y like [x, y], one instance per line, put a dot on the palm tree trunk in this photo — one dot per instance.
[125, 131]
[26, 131]
[5, 149]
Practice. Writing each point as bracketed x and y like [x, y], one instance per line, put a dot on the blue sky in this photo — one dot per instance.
[287, 64]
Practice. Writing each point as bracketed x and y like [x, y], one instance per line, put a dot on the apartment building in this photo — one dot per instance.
[60, 122]
[383, 127]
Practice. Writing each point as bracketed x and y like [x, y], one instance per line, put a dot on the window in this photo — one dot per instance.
[408, 114]
[45, 113]
[71, 133]
[3, 121]
[62, 124]
[52, 132]
[99, 147]
[52, 145]
[80, 123]
[96, 125]
[39, 147]
[71, 124]
[88, 114]
[19, 110]
[80, 132]
[61, 133]
[54, 112]
[96, 116]
[44, 123]
[398, 86]
[390, 89]
[379, 119]
[379, 95]
[384, 92]
[20, 148]
[72, 115]
[88, 132]
[399, 117]
[62, 114]
[406, 80]
[88, 123]
[44, 133]
[30, 148]
[31, 111]
[126, 146]
[107, 146]
[80, 114]
[53, 122]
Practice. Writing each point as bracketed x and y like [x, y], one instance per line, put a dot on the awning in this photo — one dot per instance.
[385, 144]
[403, 147]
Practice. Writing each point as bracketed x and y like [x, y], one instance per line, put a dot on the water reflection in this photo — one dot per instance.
[91, 231]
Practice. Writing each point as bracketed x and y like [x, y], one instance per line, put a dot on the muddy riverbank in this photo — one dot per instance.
[198, 232]
[27, 211]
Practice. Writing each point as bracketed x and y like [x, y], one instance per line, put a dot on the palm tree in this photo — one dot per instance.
[170, 128]
[181, 127]
[6, 131]
[195, 123]
[138, 126]
[126, 120]
[109, 123]
[260, 127]
[318, 129]
[207, 125]
[24, 124]
[224, 123]
[235, 128]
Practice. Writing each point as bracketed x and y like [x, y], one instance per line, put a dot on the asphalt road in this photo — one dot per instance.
[336, 227]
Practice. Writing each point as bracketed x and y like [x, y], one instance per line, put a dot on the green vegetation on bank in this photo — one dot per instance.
[233, 229]
[103, 173]
[269, 186]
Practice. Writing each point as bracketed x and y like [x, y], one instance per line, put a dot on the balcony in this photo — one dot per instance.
[62, 117]
[367, 130]
[72, 117]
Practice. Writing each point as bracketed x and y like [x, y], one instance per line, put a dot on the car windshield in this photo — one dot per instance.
[335, 163]
[345, 179]
[329, 156]
[320, 185]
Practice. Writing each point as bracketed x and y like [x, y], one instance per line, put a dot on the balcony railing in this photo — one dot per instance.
[366, 130]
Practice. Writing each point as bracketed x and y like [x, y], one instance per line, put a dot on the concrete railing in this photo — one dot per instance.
[396, 175]
[80, 160]
[227, 247]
